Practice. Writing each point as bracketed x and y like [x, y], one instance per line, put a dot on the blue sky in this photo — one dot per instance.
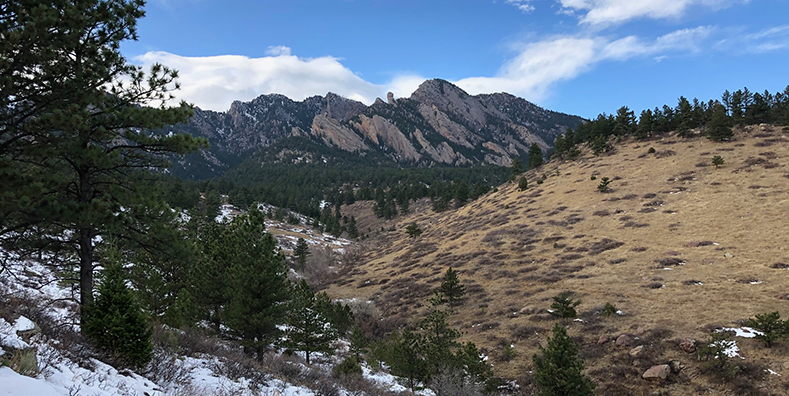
[576, 56]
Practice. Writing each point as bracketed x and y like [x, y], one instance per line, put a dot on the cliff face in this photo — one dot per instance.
[438, 124]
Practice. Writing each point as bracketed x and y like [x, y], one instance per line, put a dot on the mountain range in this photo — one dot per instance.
[438, 125]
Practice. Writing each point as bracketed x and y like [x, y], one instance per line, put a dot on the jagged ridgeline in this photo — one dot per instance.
[439, 125]
[294, 154]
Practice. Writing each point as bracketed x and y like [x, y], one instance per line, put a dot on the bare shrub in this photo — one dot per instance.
[320, 269]
[604, 245]
[165, 368]
[670, 262]
[779, 266]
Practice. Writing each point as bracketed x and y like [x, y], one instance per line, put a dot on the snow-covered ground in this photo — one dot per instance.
[60, 373]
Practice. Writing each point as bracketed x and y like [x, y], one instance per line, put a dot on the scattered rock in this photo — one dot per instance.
[635, 352]
[692, 244]
[708, 261]
[786, 365]
[657, 373]
[641, 330]
[603, 339]
[625, 340]
[676, 366]
[688, 345]
[728, 255]
[672, 253]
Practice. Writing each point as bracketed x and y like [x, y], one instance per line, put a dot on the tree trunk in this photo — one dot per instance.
[85, 270]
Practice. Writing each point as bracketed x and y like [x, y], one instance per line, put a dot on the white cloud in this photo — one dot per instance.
[216, 81]
[278, 50]
[767, 40]
[542, 64]
[523, 5]
[609, 12]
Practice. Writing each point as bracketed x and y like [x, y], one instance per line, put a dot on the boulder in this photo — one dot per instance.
[625, 340]
[676, 366]
[635, 352]
[657, 373]
[688, 345]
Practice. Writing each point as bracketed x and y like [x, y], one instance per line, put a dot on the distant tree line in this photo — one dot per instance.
[714, 117]
[306, 189]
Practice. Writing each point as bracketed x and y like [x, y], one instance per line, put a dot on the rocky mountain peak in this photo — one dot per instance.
[439, 124]
[341, 108]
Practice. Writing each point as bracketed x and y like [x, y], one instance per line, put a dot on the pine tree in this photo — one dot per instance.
[719, 128]
[558, 371]
[257, 285]
[359, 343]
[451, 288]
[353, 231]
[535, 156]
[115, 322]
[76, 127]
[523, 183]
[209, 276]
[439, 342]
[645, 124]
[404, 357]
[310, 330]
[516, 167]
[413, 230]
[301, 252]
[563, 305]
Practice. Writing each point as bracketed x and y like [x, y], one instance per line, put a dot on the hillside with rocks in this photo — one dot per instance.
[683, 248]
[439, 124]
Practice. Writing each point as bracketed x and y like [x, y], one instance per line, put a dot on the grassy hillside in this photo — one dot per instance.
[679, 246]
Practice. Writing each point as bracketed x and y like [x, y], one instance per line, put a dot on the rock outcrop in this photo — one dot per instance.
[438, 124]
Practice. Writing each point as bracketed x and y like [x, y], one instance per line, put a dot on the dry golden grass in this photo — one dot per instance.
[515, 250]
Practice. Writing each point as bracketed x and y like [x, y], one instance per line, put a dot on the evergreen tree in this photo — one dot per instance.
[209, 276]
[257, 285]
[413, 230]
[560, 146]
[523, 183]
[563, 305]
[470, 358]
[717, 161]
[451, 289]
[558, 371]
[404, 357]
[645, 124]
[625, 121]
[310, 330]
[684, 114]
[301, 252]
[439, 342]
[75, 127]
[461, 193]
[359, 343]
[719, 128]
[115, 322]
[516, 167]
[535, 156]
[353, 231]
